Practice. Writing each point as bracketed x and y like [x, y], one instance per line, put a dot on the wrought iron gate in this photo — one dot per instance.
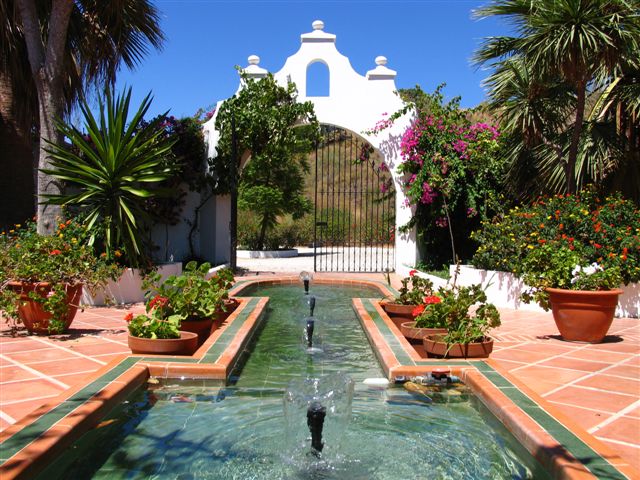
[354, 206]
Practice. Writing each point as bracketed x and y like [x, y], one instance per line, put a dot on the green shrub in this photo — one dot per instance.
[606, 232]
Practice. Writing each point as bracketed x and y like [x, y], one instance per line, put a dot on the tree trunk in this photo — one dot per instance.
[47, 66]
[581, 91]
[17, 188]
[263, 233]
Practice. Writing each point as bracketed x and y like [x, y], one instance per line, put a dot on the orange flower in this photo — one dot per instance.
[418, 310]
[55, 252]
[430, 300]
[128, 317]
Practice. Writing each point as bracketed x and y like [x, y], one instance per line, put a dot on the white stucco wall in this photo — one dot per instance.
[355, 102]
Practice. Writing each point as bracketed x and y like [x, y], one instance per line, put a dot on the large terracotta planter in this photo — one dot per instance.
[185, 345]
[583, 316]
[31, 313]
[433, 346]
[416, 334]
[202, 328]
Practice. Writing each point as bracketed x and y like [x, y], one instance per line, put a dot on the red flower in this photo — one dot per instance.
[128, 317]
[55, 252]
[158, 302]
[418, 310]
[430, 300]
[597, 245]
[413, 272]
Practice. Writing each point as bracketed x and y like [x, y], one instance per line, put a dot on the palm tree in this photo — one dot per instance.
[580, 43]
[54, 51]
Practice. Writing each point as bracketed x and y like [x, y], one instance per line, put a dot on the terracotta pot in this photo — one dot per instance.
[583, 316]
[202, 328]
[398, 310]
[415, 334]
[31, 313]
[185, 345]
[434, 346]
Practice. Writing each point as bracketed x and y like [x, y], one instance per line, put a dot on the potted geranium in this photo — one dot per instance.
[424, 323]
[157, 333]
[583, 298]
[411, 294]
[467, 317]
[223, 279]
[41, 277]
[189, 297]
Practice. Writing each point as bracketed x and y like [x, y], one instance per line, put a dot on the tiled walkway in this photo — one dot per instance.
[598, 386]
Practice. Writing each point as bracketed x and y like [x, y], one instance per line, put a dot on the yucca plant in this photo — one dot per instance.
[110, 171]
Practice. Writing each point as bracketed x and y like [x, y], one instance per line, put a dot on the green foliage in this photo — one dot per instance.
[555, 266]
[603, 231]
[189, 154]
[561, 89]
[153, 325]
[277, 133]
[464, 311]
[287, 233]
[61, 259]
[420, 288]
[189, 296]
[111, 171]
[453, 173]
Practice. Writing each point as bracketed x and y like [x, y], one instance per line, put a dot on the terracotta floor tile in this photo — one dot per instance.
[20, 345]
[11, 373]
[612, 384]
[623, 428]
[584, 417]
[40, 355]
[636, 414]
[549, 374]
[28, 389]
[574, 364]
[596, 400]
[628, 453]
[619, 347]
[598, 355]
[99, 349]
[58, 368]
[518, 355]
[625, 370]
[19, 410]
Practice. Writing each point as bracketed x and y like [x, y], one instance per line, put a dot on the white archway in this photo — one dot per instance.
[355, 102]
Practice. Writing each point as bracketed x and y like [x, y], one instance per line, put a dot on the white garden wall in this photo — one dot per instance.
[128, 288]
[504, 290]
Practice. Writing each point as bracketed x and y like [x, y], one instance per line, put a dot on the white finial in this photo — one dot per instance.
[318, 25]
[253, 59]
[381, 60]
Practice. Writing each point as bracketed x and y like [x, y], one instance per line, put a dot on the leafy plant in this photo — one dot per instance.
[565, 54]
[59, 260]
[453, 173]
[189, 296]
[420, 288]
[605, 231]
[276, 133]
[153, 325]
[556, 266]
[110, 172]
[464, 311]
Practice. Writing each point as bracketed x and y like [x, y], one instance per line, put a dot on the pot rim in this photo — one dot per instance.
[613, 291]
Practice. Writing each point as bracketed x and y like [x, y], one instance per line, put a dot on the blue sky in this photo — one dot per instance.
[426, 41]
